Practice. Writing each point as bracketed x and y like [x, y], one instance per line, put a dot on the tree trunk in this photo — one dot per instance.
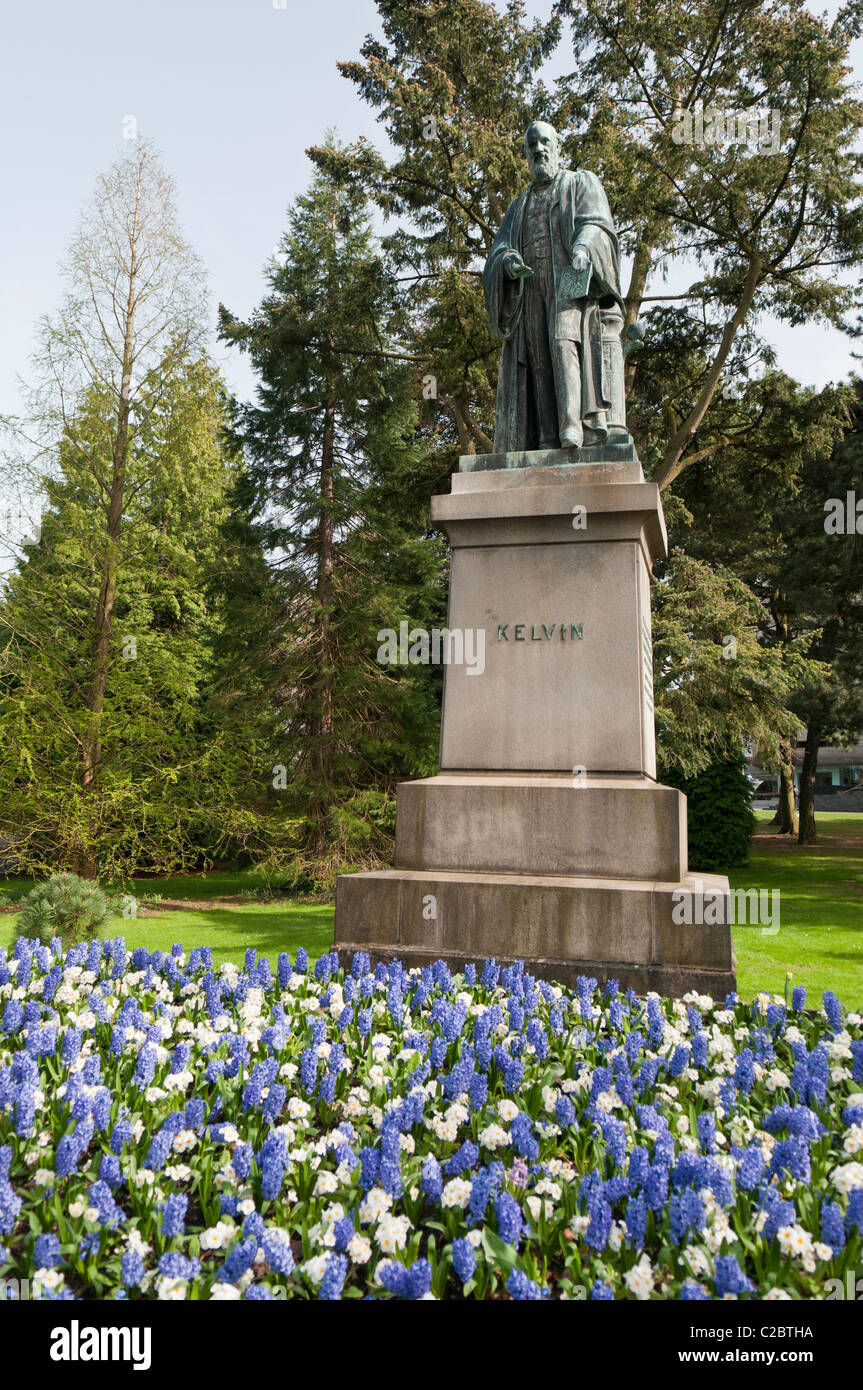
[808, 833]
[675, 461]
[466, 442]
[322, 716]
[91, 744]
[641, 263]
[785, 820]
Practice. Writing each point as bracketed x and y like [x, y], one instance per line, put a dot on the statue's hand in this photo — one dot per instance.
[515, 268]
[633, 338]
[580, 258]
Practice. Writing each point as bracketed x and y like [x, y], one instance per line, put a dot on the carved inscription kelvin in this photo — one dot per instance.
[540, 632]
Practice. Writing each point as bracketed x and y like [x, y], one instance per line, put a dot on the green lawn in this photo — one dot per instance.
[820, 938]
[229, 928]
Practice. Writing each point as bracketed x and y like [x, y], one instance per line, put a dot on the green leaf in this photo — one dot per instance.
[498, 1252]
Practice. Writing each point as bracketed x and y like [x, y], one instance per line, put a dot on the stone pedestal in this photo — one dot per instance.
[545, 837]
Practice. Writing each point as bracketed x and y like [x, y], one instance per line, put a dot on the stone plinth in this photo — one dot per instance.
[553, 566]
[560, 925]
[615, 454]
[607, 827]
[545, 836]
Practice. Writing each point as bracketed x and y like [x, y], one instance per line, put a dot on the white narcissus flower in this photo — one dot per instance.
[853, 1141]
[696, 1259]
[315, 1268]
[391, 1233]
[178, 1081]
[456, 1193]
[218, 1236]
[847, 1177]
[375, 1203]
[616, 1236]
[719, 1233]
[777, 1079]
[640, 1280]
[174, 1290]
[445, 1129]
[493, 1137]
[794, 1240]
[535, 1207]
[359, 1248]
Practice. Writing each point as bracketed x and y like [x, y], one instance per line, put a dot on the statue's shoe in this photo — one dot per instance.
[570, 440]
[594, 437]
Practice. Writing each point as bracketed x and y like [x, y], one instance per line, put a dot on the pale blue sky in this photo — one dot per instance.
[231, 92]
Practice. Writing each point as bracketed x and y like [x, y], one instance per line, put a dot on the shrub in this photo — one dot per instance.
[720, 815]
[64, 905]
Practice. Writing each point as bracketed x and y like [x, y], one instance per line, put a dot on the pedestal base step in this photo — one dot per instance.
[562, 927]
[505, 823]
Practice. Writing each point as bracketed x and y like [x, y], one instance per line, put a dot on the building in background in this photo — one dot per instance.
[838, 780]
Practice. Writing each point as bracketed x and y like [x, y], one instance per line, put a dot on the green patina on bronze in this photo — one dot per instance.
[552, 290]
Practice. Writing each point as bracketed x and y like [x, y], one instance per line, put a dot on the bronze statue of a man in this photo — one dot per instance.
[552, 290]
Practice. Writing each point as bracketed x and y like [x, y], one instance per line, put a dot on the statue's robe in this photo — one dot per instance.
[579, 215]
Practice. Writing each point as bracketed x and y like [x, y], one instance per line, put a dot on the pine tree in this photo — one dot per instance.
[333, 494]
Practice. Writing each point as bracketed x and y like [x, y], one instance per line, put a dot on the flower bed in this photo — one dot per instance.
[170, 1131]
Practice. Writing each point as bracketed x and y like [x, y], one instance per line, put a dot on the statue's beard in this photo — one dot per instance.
[543, 170]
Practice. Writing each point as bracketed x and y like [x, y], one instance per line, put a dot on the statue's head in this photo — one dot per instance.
[542, 150]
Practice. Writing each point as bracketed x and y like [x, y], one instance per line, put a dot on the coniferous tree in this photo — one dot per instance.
[334, 498]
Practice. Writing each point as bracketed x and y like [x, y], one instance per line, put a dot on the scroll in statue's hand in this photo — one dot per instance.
[574, 280]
